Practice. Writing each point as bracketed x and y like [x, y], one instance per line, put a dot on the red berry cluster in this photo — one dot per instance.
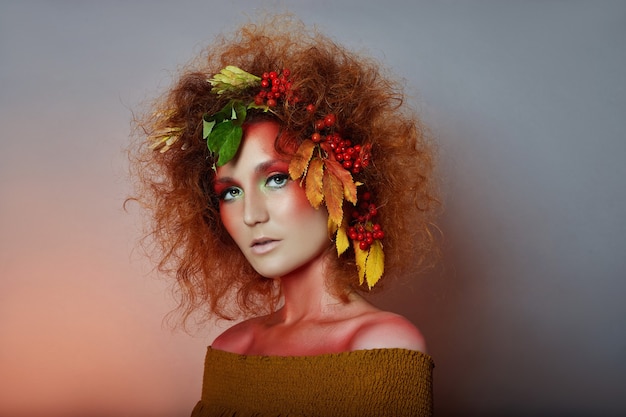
[365, 230]
[353, 158]
[274, 86]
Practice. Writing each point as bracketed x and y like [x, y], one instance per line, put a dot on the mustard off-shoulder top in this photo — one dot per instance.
[378, 382]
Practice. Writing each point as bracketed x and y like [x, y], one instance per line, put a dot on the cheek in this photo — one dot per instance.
[228, 217]
[299, 208]
[297, 204]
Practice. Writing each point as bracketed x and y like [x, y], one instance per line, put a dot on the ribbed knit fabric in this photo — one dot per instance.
[379, 382]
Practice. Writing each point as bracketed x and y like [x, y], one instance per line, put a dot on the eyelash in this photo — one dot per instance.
[226, 195]
[282, 176]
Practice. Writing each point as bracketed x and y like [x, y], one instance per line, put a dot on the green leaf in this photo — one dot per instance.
[263, 107]
[227, 138]
[218, 135]
[224, 114]
[207, 127]
[238, 113]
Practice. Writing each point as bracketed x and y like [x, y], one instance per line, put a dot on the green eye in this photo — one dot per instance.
[230, 193]
[277, 180]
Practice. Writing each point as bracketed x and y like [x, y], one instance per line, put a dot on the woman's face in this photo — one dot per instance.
[264, 211]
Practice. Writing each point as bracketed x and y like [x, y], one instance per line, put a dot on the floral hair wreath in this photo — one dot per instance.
[324, 163]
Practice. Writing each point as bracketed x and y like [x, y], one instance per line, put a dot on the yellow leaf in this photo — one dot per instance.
[333, 195]
[300, 161]
[341, 241]
[313, 185]
[349, 187]
[375, 264]
[360, 256]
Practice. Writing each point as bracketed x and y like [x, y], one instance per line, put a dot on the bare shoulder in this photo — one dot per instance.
[236, 338]
[385, 330]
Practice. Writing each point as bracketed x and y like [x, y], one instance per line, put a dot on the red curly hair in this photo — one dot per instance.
[176, 186]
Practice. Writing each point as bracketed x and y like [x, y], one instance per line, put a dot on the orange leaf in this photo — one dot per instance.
[349, 187]
[333, 195]
[375, 265]
[332, 228]
[313, 185]
[300, 161]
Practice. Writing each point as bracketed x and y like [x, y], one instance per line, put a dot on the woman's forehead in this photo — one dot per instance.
[256, 151]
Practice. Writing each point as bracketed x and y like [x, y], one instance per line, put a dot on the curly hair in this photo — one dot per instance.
[186, 233]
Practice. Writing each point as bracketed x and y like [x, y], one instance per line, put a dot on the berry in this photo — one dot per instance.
[275, 87]
[310, 108]
[329, 120]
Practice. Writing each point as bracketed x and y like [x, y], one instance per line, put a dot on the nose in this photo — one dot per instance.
[255, 209]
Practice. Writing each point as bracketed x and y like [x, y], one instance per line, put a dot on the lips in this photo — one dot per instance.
[263, 245]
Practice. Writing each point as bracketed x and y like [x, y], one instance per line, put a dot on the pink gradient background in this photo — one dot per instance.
[526, 100]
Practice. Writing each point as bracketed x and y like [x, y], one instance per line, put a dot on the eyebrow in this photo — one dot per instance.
[262, 167]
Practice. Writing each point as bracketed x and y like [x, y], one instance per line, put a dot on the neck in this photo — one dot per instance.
[306, 295]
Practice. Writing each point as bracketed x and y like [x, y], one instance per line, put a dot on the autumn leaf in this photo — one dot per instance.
[360, 256]
[341, 241]
[333, 194]
[332, 228]
[300, 161]
[375, 265]
[370, 263]
[313, 183]
[349, 187]
[164, 138]
[232, 78]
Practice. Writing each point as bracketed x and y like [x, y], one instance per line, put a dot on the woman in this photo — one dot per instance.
[289, 178]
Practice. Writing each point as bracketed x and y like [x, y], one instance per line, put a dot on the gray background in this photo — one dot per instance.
[526, 99]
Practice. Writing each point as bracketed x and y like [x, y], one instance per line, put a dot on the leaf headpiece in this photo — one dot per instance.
[324, 163]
